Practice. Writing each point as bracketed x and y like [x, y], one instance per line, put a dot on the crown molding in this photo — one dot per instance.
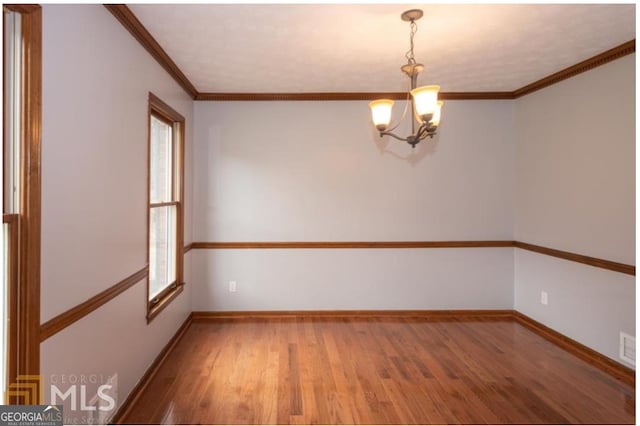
[343, 96]
[129, 20]
[603, 58]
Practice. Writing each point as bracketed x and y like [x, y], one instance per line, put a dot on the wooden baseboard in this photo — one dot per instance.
[435, 314]
[137, 391]
[604, 363]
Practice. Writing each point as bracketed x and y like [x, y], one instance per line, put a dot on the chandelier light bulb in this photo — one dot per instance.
[435, 120]
[381, 113]
[425, 99]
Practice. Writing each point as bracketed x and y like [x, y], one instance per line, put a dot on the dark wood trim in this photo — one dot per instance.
[579, 258]
[78, 312]
[605, 57]
[164, 204]
[174, 292]
[162, 295]
[10, 218]
[164, 300]
[473, 96]
[121, 414]
[13, 266]
[144, 37]
[435, 314]
[163, 109]
[28, 297]
[604, 363]
[344, 96]
[22, 8]
[317, 96]
[349, 244]
[574, 257]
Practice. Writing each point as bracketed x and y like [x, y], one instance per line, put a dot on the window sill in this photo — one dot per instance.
[167, 298]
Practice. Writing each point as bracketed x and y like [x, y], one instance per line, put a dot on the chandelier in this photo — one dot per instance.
[424, 100]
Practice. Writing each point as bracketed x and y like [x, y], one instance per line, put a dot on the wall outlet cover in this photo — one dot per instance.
[544, 298]
[628, 348]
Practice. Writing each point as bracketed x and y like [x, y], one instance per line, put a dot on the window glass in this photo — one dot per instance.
[161, 161]
[162, 249]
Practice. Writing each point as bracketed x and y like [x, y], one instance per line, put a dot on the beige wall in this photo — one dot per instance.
[575, 191]
[96, 79]
[316, 171]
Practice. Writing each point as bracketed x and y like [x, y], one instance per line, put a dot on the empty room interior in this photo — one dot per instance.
[320, 213]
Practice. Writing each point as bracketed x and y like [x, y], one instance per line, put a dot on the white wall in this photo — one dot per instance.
[316, 171]
[96, 80]
[576, 192]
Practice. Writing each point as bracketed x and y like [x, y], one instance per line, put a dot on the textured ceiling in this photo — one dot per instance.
[360, 47]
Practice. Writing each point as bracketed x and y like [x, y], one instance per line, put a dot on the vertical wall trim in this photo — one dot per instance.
[29, 316]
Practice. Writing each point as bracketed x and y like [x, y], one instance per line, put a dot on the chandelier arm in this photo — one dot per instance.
[413, 85]
[394, 136]
[426, 130]
[422, 132]
[404, 113]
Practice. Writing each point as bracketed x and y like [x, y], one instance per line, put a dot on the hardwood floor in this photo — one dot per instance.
[376, 371]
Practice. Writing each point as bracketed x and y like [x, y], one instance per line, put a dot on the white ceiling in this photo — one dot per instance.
[360, 47]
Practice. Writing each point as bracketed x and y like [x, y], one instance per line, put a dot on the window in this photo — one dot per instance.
[20, 293]
[10, 191]
[166, 175]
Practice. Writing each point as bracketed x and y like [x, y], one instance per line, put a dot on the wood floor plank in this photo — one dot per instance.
[301, 370]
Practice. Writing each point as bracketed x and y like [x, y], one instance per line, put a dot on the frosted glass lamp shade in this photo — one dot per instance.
[381, 113]
[435, 120]
[425, 99]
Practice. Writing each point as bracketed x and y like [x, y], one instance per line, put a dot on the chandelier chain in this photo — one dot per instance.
[409, 55]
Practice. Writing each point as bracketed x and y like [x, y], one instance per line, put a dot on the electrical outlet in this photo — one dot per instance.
[232, 286]
[544, 298]
[628, 348]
